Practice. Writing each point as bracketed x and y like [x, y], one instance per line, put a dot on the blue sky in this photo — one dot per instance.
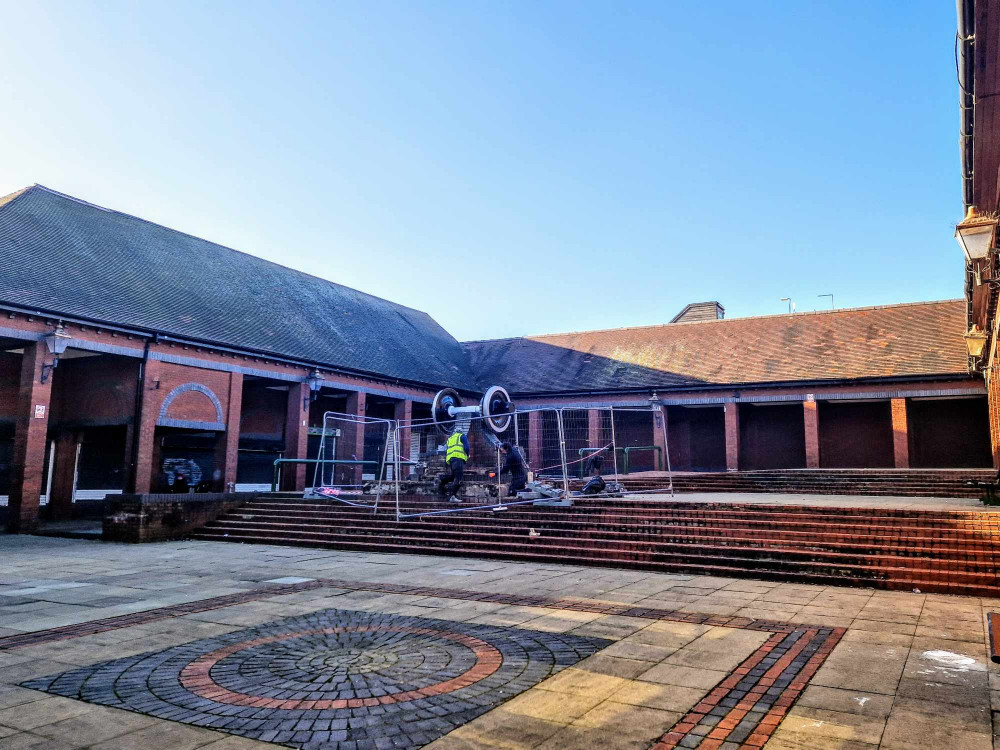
[514, 167]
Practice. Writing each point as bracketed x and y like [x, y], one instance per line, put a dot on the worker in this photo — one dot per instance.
[514, 464]
[456, 454]
[593, 467]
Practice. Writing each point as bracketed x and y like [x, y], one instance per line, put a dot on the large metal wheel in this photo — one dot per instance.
[443, 419]
[496, 407]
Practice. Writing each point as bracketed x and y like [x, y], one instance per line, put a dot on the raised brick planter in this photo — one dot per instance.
[156, 517]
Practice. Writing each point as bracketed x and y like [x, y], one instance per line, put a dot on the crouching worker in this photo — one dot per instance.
[514, 464]
[594, 466]
[456, 454]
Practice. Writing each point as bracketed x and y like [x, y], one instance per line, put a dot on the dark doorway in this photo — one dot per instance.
[180, 451]
[697, 438]
[634, 430]
[855, 435]
[101, 465]
[772, 436]
[949, 433]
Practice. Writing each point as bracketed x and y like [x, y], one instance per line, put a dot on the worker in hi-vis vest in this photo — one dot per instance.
[456, 454]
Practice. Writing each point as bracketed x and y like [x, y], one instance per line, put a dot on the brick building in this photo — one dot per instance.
[978, 62]
[177, 352]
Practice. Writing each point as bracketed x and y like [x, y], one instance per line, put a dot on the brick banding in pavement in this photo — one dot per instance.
[746, 707]
[335, 679]
[105, 624]
[179, 610]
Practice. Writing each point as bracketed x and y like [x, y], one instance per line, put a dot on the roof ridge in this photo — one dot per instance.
[224, 247]
[11, 197]
[723, 321]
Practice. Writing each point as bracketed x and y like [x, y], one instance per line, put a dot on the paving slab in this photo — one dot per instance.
[914, 663]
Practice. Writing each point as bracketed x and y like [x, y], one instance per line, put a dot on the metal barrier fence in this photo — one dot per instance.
[558, 445]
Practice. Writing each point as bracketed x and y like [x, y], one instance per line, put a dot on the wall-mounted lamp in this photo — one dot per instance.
[315, 381]
[975, 340]
[56, 342]
[976, 235]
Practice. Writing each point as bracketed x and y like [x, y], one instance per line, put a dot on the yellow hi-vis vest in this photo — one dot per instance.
[455, 448]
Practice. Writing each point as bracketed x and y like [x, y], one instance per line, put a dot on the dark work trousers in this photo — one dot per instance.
[517, 483]
[457, 467]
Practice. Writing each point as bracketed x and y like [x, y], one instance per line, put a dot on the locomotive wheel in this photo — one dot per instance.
[496, 407]
[439, 409]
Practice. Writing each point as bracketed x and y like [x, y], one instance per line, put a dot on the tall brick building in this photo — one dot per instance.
[978, 61]
[178, 351]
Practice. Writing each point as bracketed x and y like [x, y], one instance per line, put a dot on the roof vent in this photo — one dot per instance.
[697, 311]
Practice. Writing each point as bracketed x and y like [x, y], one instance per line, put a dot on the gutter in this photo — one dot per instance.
[799, 384]
[965, 38]
[163, 336]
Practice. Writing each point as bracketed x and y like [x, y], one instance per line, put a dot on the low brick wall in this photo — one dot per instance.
[152, 518]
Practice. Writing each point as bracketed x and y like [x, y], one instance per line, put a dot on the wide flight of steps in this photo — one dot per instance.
[903, 483]
[938, 551]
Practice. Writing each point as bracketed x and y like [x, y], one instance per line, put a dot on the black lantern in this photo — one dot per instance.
[315, 381]
[56, 342]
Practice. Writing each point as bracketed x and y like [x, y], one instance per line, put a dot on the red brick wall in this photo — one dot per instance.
[10, 374]
[993, 398]
[94, 388]
[192, 405]
[263, 411]
[856, 435]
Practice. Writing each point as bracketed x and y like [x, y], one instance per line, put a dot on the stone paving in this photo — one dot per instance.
[673, 659]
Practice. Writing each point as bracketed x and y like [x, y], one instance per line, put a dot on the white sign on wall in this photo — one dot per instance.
[39, 411]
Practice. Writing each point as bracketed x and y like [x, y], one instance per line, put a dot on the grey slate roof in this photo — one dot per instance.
[64, 256]
[895, 341]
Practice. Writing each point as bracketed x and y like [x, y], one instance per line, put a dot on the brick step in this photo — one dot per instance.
[932, 580]
[970, 536]
[863, 491]
[643, 511]
[763, 549]
[807, 534]
[940, 550]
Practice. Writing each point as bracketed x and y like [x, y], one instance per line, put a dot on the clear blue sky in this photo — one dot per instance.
[578, 164]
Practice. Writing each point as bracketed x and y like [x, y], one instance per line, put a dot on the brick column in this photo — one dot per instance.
[594, 428]
[354, 440]
[732, 436]
[810, 413]
[535, 439]
[144, 433]
[900, 434]
[31, 422]
[228, 443]
[63, 476]
[293, 476]
[403, 411]
[660, 439]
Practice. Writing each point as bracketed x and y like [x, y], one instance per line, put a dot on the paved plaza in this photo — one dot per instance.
[211, 645]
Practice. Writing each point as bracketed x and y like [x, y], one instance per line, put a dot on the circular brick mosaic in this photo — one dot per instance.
[332, 679]
[341, 667]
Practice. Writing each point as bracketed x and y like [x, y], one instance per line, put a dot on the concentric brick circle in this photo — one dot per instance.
[332, 679]
[341, 667]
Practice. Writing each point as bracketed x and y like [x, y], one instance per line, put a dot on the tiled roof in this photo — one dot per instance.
[897, 340]
[65, 256]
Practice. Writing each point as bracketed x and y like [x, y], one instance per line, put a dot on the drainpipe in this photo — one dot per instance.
[137, 418]
[965, 57]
